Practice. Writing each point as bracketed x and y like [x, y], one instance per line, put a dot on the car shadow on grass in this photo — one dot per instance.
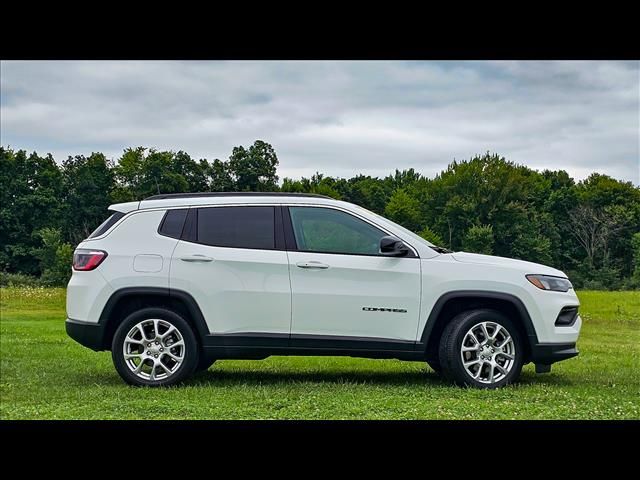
[395, 378]
[230, 377]
[238, 377]
[427, 378]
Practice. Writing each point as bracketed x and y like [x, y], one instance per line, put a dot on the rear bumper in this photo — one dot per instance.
[548, 353]
[90, 335]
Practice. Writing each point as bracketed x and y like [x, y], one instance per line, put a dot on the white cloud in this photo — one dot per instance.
[340, 118]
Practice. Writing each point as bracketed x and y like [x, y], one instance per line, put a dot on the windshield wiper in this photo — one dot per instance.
[441, 249]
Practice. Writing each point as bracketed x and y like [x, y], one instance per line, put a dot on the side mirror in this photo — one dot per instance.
[393, 247]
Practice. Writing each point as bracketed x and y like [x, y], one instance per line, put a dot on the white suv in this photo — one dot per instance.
[175, 282]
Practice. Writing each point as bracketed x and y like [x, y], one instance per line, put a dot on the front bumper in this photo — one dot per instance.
[544, 354]
[90, 335]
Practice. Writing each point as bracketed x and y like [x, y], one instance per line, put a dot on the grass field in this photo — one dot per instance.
[46, 375]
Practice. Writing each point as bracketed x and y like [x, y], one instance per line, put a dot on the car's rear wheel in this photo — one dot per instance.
[154, 347]
[481, 348]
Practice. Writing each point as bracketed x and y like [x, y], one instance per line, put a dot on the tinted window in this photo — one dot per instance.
[172, 223]
[107, 224]
[240, 227]
[333, 231]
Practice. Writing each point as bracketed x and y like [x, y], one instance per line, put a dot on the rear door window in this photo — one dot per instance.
[237, 227]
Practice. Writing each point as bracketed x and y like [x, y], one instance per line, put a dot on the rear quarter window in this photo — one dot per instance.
[173, 222]
[107, 224]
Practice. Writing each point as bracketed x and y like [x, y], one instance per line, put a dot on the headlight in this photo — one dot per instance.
[547, 282]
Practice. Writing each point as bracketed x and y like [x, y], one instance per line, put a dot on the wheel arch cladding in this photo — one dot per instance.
[451, 304]
[125, 301]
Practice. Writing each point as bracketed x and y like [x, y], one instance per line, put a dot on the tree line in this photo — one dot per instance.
[590, 229]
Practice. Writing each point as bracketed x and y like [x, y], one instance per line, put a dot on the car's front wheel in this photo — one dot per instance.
[154, 347]
[481, 348]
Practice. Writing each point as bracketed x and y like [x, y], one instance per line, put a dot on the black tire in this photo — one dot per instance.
[191, 353]
[204, 363]
[451, 344]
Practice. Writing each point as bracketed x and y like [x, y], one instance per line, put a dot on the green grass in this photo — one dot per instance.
[46, 375]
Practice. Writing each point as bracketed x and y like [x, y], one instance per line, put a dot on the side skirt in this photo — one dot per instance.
[260, 345]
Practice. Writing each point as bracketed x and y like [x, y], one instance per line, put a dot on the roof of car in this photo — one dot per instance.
[165, 196]
[216, 198]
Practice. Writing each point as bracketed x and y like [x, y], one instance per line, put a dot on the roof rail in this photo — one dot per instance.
[233, 194]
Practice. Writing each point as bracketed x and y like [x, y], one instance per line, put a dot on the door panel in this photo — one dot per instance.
[341, 299]
[349, 294]
[239, 290]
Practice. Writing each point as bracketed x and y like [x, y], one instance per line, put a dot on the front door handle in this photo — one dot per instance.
[196, 258]
[312, 264]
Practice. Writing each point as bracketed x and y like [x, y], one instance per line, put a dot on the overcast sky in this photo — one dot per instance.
[337, 117]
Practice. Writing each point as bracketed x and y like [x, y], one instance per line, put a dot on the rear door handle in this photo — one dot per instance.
[312, 264]
[196, 258]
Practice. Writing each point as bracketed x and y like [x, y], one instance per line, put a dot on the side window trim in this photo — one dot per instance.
[292, 245]
[278, 229]
[289, 236]
[190, 227]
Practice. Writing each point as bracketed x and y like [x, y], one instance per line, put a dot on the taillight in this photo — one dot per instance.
[84, 260]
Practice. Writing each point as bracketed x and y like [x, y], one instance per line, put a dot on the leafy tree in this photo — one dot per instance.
[31, 200]
[9, 191]
[159, 175]
[194, 173]
[479, 239]
[128, 173]
[141, 174]
[368, 192]
[403, 209]
[403, 179]
[489, 190]
[219, 177]
[293, 186]
[560, 200]
[621, 202]
[318, 184]
[635, 242]
[593, 229]
[55, 258]
[88, 183]
[532, 247]
[485, 204]
[254, 169]
[430, 236]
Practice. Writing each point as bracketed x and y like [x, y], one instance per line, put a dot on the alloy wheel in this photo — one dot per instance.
[488, 352]
[154, 349]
